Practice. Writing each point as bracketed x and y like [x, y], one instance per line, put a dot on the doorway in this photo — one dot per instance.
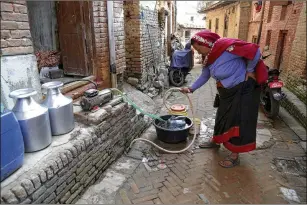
[63, 27]
[75, 39]
[279, 62]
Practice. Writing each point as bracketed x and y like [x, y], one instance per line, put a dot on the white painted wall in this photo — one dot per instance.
[188, 9]
[149, 4]
[18, 72]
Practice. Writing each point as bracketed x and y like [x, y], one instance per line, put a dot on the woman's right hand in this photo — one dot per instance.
[185, 90]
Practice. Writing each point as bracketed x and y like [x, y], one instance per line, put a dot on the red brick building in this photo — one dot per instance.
[280, 22]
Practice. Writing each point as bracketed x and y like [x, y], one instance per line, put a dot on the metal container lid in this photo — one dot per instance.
[178, 107]
[22, 93]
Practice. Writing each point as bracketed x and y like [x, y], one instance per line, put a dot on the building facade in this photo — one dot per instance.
[103, 40]
[280, 23]
[228, 18]
[18, 62]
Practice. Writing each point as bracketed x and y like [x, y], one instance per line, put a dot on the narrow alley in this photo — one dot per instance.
[264, 176]
[84, 84]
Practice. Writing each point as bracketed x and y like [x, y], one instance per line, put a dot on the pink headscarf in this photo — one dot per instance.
[206, 38]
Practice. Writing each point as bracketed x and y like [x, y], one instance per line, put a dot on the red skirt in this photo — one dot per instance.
[236, 118]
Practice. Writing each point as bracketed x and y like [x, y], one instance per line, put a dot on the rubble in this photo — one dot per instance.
[133, 81]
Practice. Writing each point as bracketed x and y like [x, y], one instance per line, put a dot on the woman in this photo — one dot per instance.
[232, 63]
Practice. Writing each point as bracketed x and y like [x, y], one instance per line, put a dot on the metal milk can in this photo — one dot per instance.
[60, 109]
[33, 120]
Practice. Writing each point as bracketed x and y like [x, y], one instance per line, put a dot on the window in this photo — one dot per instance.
[226, 22]
[255, 38]
[210, 24]
[233, 9]
[268, 38]
[270, 14]
[187, 34]
[283, 13]
[192, 18]
[216, 24]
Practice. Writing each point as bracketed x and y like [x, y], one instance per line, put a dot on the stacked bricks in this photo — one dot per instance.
[133, 38]
[101, 54]
[15, 30]
[143, 45]
[150, 42]
[63, 176]
[119, 32]
[119, 35]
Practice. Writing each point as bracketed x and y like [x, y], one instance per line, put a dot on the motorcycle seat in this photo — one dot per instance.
[273, 71]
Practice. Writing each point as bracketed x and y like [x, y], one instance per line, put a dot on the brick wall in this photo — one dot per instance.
[15, 30]
[298, 52]
[143, 42]
[63, 176]
[150, 43]
[173, 17]
[282, 18]
[101, 48]
[119, 34]
[133, 38]
[290, 18]
[101, 53]
[295, 74]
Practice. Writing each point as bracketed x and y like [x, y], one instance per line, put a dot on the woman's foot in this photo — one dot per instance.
[209, 145]
[230, 161]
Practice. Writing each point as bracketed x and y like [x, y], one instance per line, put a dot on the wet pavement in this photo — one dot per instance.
[274, 173]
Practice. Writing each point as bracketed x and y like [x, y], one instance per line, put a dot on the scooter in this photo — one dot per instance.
[271, 93]
[181, 65]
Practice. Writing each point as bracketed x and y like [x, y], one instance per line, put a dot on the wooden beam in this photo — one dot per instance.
[71, 86]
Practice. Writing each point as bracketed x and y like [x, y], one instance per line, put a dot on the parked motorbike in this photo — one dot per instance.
[271, 93]
[181, 64]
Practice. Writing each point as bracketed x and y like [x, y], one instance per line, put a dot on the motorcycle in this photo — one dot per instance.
[271, 93]
[181, 65]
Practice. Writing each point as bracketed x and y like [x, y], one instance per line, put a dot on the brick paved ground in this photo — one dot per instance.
[196, 177]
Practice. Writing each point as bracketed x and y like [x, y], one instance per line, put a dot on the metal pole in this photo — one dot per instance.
[111, 44]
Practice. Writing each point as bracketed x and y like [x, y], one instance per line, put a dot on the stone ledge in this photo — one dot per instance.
[62, 172]
[295, 107]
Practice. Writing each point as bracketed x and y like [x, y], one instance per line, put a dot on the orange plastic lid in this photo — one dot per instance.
[178, 107]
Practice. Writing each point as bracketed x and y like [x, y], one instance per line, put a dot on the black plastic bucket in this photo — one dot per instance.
[172, 136]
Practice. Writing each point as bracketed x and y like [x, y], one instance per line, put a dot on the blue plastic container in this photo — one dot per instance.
[12, 146]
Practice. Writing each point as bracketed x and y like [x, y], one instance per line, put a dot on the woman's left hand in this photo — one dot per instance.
[185, 90]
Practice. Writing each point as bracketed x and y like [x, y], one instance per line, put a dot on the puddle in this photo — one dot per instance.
[289, 194]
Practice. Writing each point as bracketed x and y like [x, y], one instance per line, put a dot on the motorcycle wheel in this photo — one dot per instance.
[269, 104]
[176, 77]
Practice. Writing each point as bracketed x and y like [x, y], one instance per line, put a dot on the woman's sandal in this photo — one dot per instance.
[234, 162]
[209, 145]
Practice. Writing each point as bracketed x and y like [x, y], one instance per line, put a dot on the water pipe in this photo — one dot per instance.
[156, 117]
